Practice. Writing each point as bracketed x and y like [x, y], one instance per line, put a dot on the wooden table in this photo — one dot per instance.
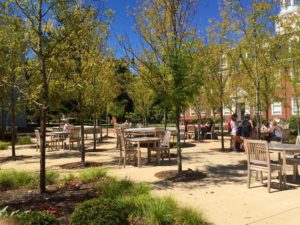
[140, 140]
[284, 149]
[60, 135]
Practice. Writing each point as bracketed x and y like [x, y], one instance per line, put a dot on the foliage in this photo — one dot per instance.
[3, 145]
[187, 216]
[12, 179]
[102, 211]
[293, 122]
[35, 218]
[24, 140]
[68, 178]
[92, 174]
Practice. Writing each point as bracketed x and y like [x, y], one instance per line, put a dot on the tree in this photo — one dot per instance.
[12, 55]
[168, 47]
[86, 34]
[254, 24]
[142, 98]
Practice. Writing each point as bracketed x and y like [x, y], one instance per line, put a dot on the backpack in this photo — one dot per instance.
[246, 128]
[228, 126]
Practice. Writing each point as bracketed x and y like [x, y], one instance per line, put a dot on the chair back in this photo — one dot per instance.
[37, 135]
[159, 132]
[121, 138]
[166, 139]
[74, 133]
[257, 152]
[298, 140]
[285, 135]
[190, 128]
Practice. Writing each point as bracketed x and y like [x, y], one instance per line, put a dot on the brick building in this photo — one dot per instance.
[283, 109]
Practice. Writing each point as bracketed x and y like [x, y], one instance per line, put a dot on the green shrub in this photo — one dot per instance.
[115, 189]
[35, 218]
[68, 178]
[293, 124]
[12, 179]
[3, 145]
[51, 177]
[187, 216]
[24, 140]
[92, 174]
[137, 205]
[100, 211]
[161, 211]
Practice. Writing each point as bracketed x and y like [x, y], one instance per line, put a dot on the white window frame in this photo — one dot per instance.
[226, 111]
[294, 106]
[192, 112]
[277, 112]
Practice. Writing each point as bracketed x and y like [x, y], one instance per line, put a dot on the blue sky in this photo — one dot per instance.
[123, 22]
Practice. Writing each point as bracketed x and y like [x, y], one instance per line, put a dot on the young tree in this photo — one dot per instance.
[254, 24]
[12, 55]
[168, 47]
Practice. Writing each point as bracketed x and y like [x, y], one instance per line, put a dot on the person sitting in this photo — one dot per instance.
[205, 128]
[67, 126]
[274, 132]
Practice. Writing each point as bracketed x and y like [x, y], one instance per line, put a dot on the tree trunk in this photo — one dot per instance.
[13, 123]
[94, 132]
[179, 158]
[101, 130]
[222, 130]
[2, 129]
[257, 102]
[165, 118]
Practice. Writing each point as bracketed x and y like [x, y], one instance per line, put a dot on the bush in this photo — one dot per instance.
[92, 174]
[24, 140]
[161, 211]
[68, 178]
[11, 179]
[186, 216]
[293, 124]
[51, 177]
[35, 218]
[100, 211]
[3, 145]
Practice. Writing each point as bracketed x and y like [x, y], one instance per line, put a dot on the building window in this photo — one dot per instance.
[192, 112]
[294, 106]
[226, 111]
[276, 108]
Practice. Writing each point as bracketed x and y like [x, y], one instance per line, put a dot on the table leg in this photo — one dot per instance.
[284, 168]
[139, 155]
[148, 154]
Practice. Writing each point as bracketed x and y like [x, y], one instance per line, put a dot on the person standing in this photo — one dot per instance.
[233, 133]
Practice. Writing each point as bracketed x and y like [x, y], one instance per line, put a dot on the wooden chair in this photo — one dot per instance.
[295, 161]
[163, 149]
[182, 132]
[258, 158]
[49, 143]
[74, 136]
[125, 149]
[285, 135]
[159, 132]
[191, 131]
[212, 131]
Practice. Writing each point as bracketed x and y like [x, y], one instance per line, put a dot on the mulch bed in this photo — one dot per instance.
[184, 176]
[58, 201]
[80, 165]
[11, 158]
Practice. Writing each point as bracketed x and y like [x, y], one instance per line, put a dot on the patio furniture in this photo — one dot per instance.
[285, 135]
[163, 149]
[59, 137]
[182, 132]
[258, 159]
[49, 143]
[191, 131]
[74, 136]
[295, 162]
[125, 148]
[145, 140]
[212, 131]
